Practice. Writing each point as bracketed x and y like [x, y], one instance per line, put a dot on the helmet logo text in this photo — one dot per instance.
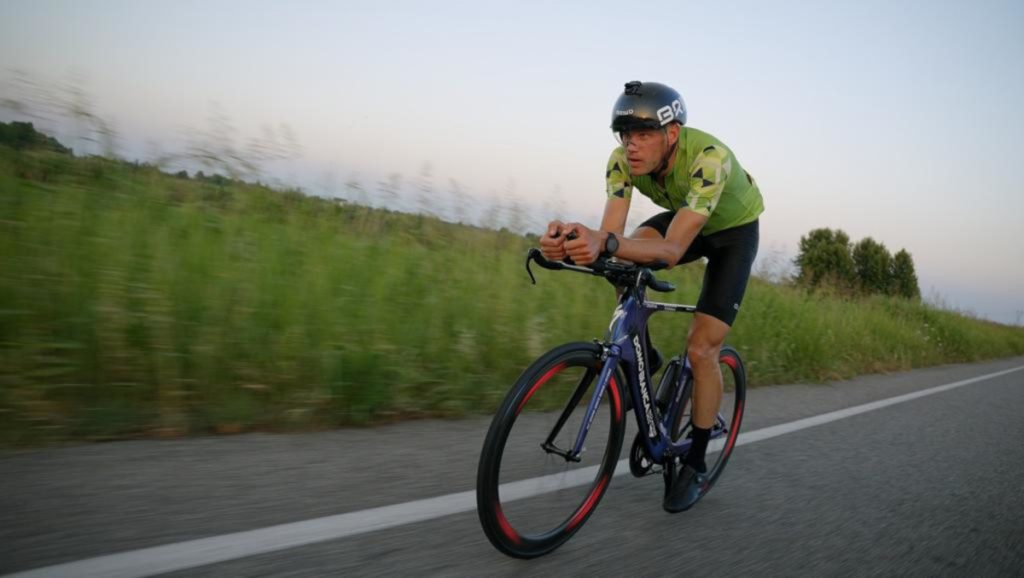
[669, 113]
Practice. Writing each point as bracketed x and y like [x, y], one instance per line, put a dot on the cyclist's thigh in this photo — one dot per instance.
[643, 232]
[730, 258]
[657, 227]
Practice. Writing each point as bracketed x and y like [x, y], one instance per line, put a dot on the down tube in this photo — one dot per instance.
[656, 437]
[610, 363]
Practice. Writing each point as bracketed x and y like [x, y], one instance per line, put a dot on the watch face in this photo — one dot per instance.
[612, 244]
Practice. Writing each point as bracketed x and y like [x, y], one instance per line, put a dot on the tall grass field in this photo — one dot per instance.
[135, 303]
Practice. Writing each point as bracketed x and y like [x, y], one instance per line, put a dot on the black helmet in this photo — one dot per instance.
[647, 105]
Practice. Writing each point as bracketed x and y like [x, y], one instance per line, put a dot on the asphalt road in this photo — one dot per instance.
[930, 486]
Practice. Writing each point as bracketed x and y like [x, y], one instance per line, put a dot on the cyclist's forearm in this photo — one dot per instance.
[650, 250]
[681, 232]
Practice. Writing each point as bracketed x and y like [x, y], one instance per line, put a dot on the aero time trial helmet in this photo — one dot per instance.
[647, 105]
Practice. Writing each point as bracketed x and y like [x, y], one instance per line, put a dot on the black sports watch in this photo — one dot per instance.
[611, 245]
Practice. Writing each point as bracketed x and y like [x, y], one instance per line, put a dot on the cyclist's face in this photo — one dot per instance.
[646, 147]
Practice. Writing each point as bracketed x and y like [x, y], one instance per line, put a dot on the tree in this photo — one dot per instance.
[873, 265]
[23, 135]
[51, 103]
[903, 276]
[825, 256]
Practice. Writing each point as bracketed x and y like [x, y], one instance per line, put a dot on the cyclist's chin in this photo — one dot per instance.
[640, 169]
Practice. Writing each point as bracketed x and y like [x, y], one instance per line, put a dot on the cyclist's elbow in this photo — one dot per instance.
[672, 256]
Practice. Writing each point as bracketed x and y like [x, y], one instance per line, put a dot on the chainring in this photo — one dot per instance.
[640, 464]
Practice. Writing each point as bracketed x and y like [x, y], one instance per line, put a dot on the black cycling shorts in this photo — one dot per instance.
[730, 255]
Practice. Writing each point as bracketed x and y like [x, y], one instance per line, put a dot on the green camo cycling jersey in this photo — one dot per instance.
[706, 178]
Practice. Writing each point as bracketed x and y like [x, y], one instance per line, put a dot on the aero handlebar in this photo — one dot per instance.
[619, 274]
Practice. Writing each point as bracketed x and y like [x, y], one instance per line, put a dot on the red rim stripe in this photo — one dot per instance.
[589, 504]
[730, 361]
[506, 528]
[734, 431]
[539, 383]
[616, 401]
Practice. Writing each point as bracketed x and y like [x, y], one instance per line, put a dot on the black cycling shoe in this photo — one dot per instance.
[686, 489]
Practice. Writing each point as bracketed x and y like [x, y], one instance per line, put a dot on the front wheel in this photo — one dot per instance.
[532, 495]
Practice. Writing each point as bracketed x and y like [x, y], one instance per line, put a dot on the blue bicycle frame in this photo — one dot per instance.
[624, 344]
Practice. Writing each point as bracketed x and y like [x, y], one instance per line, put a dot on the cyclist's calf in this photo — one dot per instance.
[704, 344]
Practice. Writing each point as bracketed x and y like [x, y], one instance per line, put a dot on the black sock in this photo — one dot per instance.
[698, 447]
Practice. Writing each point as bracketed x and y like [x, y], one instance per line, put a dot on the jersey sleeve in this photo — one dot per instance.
[617, 180]
[708, 174]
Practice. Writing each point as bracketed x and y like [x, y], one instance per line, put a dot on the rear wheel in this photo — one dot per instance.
[531, 495]
[730, 416]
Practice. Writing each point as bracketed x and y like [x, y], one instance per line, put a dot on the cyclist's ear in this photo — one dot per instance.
[673, 133]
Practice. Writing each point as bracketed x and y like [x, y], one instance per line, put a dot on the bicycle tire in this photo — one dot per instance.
[734, 381]
[511, 521]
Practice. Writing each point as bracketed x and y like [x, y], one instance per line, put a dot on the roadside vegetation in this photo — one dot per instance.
[137, 303]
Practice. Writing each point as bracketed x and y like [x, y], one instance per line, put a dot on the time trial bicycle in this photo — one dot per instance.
[554, 443]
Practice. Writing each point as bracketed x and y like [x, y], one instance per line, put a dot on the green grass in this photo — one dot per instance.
[133, 303]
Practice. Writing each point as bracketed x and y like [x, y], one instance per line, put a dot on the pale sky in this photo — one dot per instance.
[898, 120]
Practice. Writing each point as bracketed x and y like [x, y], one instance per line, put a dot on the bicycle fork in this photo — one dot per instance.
[611, 361]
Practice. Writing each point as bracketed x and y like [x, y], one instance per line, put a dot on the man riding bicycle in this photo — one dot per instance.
[712, 210]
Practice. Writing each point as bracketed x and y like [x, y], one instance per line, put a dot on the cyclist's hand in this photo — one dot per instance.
[552, 243]
[586, 247]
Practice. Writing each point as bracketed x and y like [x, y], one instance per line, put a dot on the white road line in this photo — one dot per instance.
[193, 553]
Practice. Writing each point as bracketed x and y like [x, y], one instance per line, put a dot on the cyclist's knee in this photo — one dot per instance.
[705, 339]
[703, 347]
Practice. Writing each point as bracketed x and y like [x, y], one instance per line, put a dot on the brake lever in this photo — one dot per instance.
[530, 257]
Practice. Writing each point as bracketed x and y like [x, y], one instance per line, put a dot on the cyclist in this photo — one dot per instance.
[712, 207]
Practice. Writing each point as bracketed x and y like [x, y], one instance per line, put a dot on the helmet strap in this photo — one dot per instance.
[665, 159]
